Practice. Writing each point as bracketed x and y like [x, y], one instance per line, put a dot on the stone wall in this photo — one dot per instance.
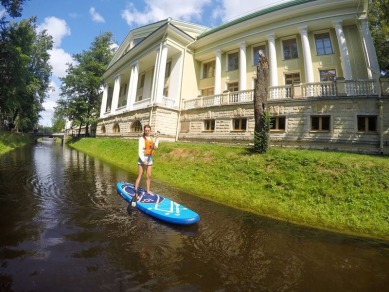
[342, 136]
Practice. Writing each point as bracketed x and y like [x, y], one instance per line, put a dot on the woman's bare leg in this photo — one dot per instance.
[141, 168]
[148, 178]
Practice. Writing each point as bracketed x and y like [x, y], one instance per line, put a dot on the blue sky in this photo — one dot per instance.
[74, 24]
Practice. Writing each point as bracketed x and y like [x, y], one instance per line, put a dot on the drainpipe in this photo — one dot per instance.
[180, 99]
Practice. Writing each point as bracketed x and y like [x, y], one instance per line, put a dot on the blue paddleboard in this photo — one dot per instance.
[157, 206]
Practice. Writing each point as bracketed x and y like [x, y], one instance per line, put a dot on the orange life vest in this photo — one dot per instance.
[149, 146]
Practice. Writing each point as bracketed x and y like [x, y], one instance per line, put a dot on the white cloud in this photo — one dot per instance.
[233, 9]
[55, 27]
[59, 60]
[2, 13]
[155, 10]
[49, 105]
[192, 10]
[96, 17]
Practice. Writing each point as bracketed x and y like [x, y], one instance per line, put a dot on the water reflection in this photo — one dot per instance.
[63, 226]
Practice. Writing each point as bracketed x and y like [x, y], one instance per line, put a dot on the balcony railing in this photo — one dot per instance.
[220, 99]
[307, 90]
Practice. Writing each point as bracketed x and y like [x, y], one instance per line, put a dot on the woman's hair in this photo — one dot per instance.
[144, 128]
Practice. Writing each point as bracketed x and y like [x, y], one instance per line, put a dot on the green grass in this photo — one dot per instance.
[342, 192]
[12, 140]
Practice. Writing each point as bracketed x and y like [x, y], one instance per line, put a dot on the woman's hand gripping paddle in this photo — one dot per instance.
[134, 199]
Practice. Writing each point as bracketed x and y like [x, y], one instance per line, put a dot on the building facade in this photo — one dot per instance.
[193, 83]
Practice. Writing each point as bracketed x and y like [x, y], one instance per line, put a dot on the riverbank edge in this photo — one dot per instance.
[123, 153]
[12, 140]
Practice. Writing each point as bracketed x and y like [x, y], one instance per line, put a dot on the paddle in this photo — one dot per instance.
[133, 200]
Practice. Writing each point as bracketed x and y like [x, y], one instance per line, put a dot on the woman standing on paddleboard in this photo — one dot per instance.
[147, 144]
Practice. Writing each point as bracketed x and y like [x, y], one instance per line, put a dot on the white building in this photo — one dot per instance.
[193, 83]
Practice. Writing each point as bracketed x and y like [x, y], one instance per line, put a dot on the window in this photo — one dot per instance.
[367, 123]
[289, 48]
[102, 129]
[207, 91]
[167, 75]
[327, 75]
[239, 124]
[122, 95]
[233, 61]
[168, 68]
[136, 127]
[209, 69]
[320, 123]
[323, 44]
[109, 99]
[293, 78]
[141, 84]
[209, 125]
[185, 125]
[137, 41]
[116, 128]
[256, 53]
[233, 86]
[123, 90]
[277, 123]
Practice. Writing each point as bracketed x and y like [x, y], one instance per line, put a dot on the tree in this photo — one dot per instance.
[14, 9]
[379, 27]
[261, 130]
[82, 86]
[25, 73]
[59, 120]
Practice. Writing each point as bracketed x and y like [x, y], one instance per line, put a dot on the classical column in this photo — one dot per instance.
[273, 60]
[309, 78]
[130, 105]
[346, 65]
[115, 98]
[160, 80]
[133, 84]
[218, 72]
[242, 67]
[103, 107]
[154, 82]
[373, 69]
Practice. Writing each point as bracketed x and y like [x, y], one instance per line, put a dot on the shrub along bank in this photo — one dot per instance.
[341, 192]
[12, 140]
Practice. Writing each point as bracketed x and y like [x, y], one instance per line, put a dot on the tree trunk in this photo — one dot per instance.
[261, 130]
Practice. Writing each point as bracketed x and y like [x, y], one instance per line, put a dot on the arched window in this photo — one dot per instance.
[116, 128]
[103, 129]
[136, 126]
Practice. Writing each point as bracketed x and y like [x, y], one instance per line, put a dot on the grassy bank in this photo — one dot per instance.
[12, 140]
[342, 192]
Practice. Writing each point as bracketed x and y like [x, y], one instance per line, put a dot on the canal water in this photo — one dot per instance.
[63, 227]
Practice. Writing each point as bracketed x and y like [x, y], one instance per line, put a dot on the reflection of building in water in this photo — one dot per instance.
[194, 83]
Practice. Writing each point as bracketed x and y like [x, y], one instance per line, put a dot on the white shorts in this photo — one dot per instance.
[148, 158]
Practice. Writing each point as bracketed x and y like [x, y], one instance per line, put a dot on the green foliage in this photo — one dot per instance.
[81, 87]
[25, 73]
[13, 7]
[330, 190]
[379, 27]
[12, 140]
[262, 138]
